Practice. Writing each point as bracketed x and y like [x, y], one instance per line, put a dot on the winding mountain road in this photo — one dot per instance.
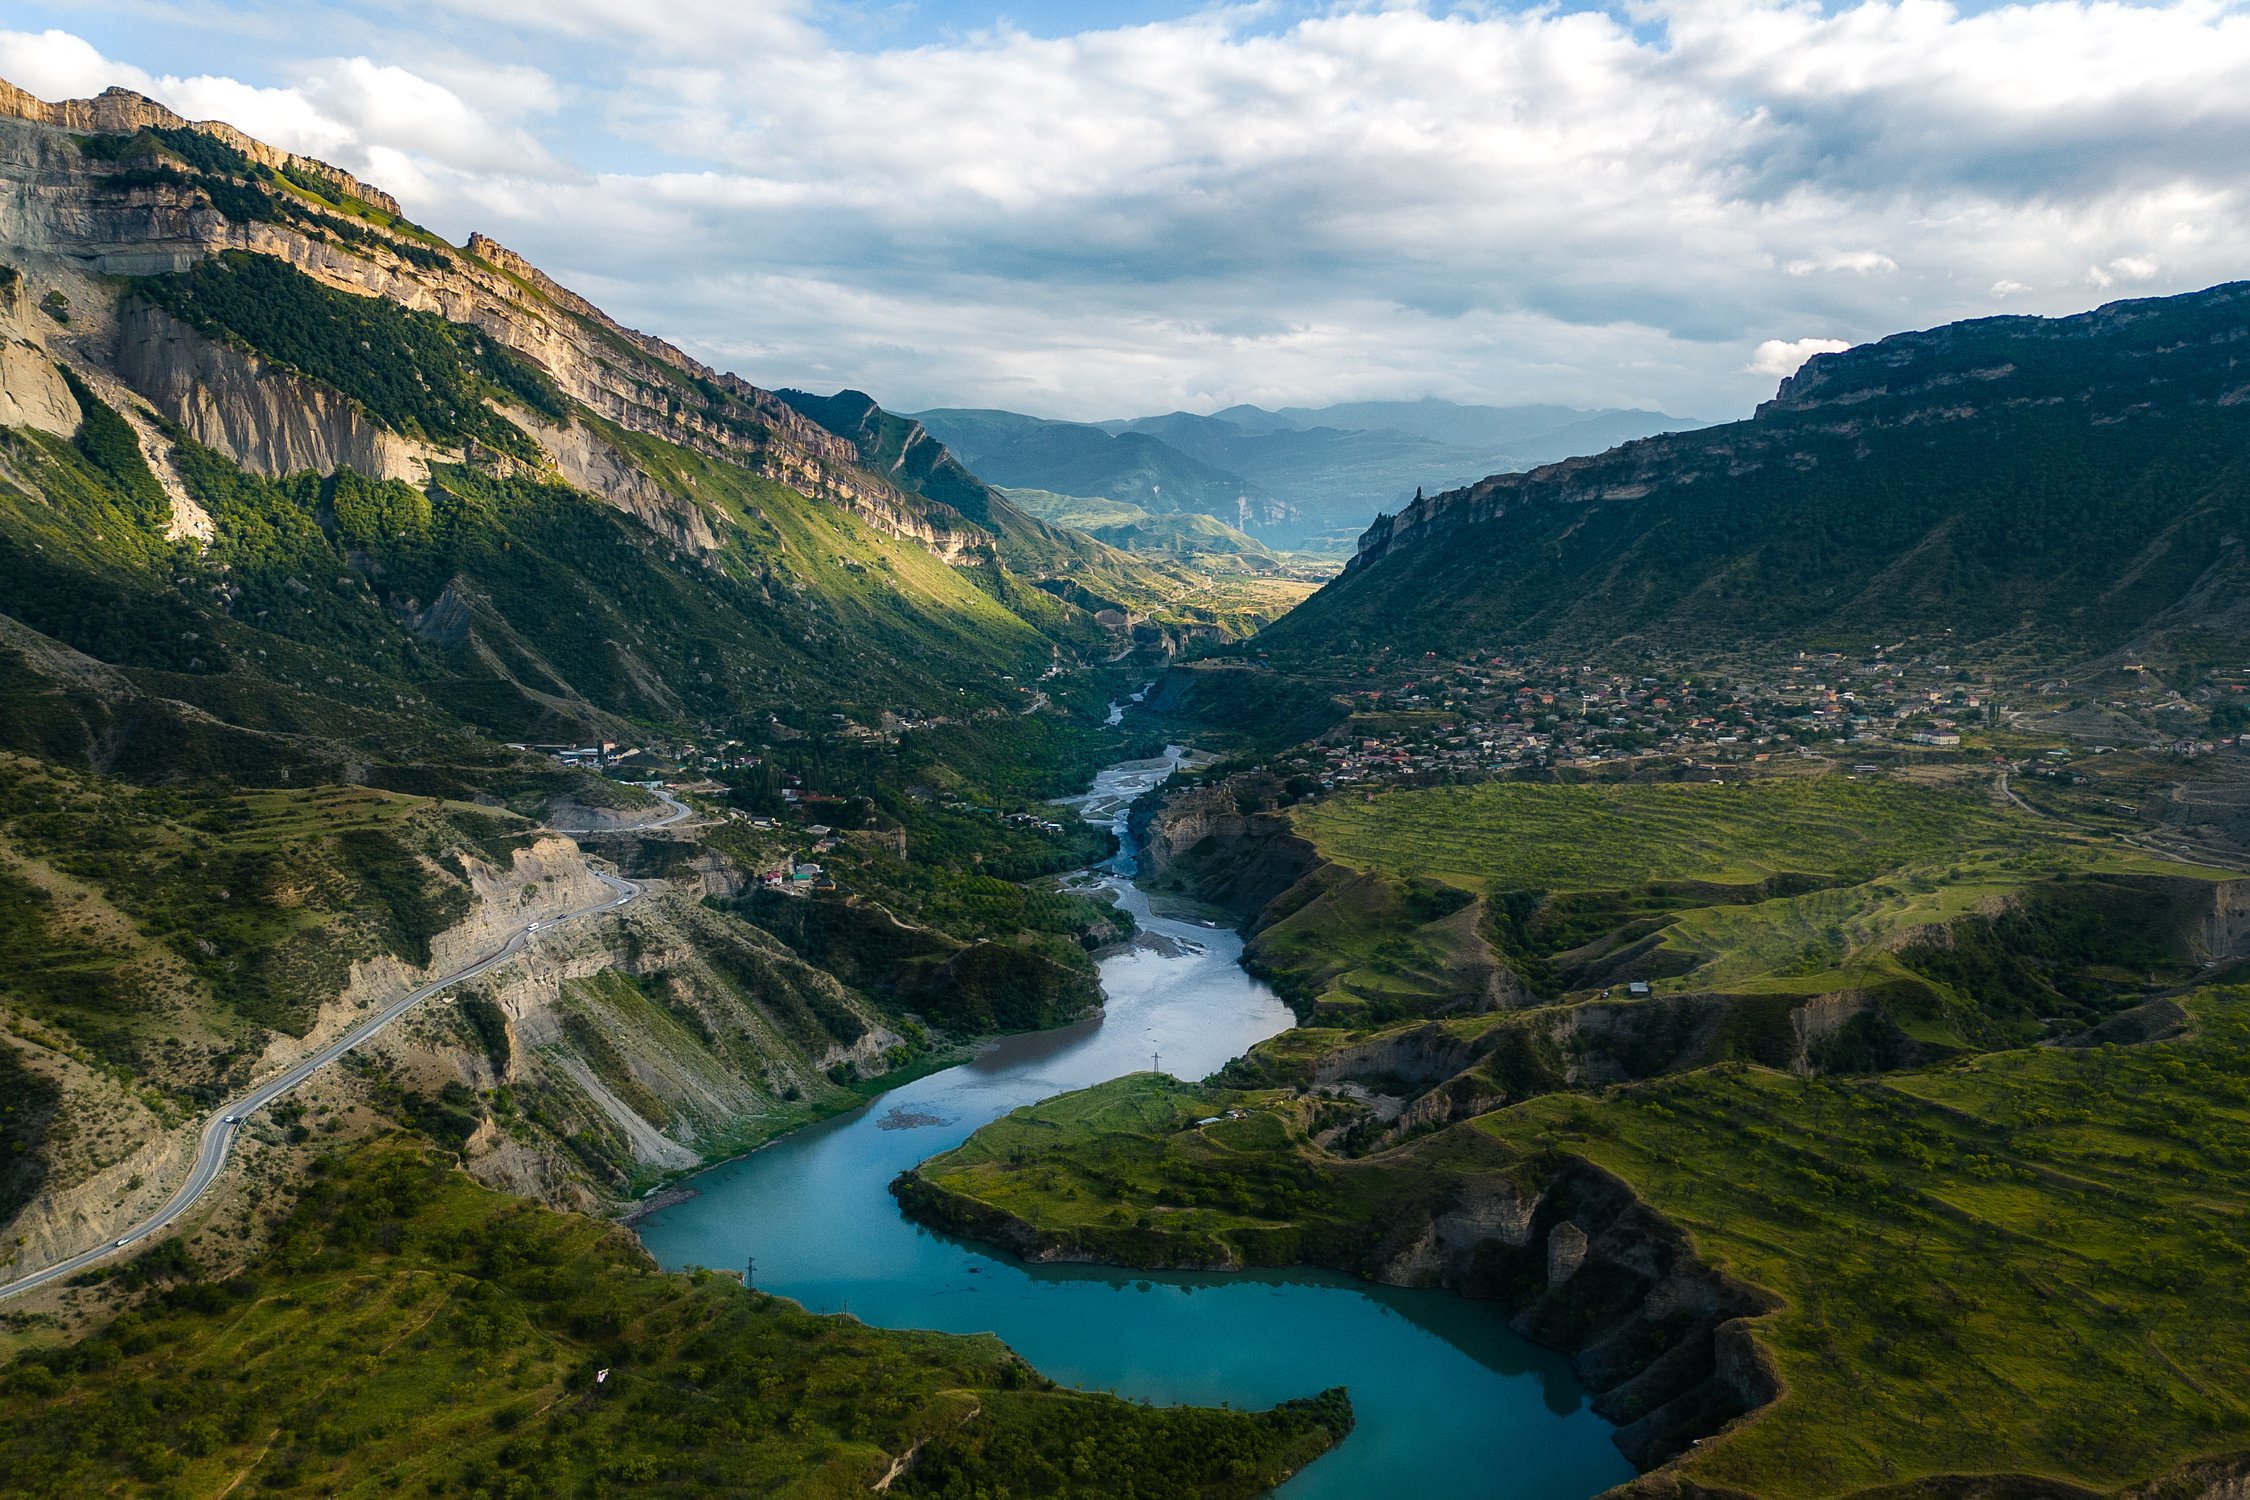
[220, 1129]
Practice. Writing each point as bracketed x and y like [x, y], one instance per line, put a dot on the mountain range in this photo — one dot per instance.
[1306, 478]
[553, 524]
[315, 528]
[335, 559]
[2056, 487]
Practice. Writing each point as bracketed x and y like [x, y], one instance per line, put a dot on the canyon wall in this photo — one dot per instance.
[262, 416]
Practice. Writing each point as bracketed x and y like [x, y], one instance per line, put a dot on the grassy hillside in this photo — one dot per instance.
[1187, 584]
[160, 932]
[1957, 919]
[2057, 485]
[341, 610]
[1178, 534]
[1547, 837]
[409, 1330]
[2000, 1267]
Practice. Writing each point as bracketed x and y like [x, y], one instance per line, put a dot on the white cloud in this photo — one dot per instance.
[349, 110]
[58, 65]
[1783, 356]
[1857, 262]
[1507, 204]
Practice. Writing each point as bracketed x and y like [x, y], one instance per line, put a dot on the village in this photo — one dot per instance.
[1488, 716]
[785, 845]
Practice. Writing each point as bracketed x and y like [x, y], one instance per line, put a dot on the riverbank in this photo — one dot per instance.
[1798, 1256]
[1150, 1173]
[1435, 1380]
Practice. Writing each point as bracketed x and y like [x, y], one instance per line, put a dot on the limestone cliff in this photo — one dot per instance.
[119, 111]
[74, 217]
[584, 460]
[264, 417]
[1223, 846]
[667, 1039]
[2224, 932]
[32, 392]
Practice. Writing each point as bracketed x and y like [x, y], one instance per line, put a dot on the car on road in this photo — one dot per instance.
[230, 1119]
[121, 1244]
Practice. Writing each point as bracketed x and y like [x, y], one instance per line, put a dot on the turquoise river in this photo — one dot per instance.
[1450, 1402]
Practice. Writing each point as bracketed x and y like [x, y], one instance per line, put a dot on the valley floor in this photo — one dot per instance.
[1910, 1159]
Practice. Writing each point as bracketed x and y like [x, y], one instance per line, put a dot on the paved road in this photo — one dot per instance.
[230, 1119]
[679, 810]
[2186, 850]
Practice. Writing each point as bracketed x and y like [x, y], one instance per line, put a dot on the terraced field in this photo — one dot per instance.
[1548, 838]
[1449, 899]
[2003, 1266]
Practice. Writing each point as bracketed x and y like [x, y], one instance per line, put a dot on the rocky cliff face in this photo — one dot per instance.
[262, 416]
[667, 1039]
[71, 216]
[32, 391]
[121, 112]
[1663, 1341]
[1210, 841]
[2224, 932]
[584, 460]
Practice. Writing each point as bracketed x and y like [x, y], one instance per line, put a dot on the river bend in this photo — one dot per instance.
[1451, 1404]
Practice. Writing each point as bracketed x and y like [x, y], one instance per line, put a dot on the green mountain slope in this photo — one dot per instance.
[360, 495]
[1161, 570]
[2077, 485]
[498, 1349]
[1078, 458]
[1188, 534]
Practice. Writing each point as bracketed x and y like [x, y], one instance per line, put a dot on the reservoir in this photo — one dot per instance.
[1450, 1402]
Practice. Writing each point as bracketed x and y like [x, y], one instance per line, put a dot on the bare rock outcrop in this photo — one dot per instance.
[117, 111]
[67, 209]
[267, 419]
[2225, 929]
[584, 460]
[32, 392]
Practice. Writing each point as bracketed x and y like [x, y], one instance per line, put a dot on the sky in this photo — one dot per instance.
[1092, 211]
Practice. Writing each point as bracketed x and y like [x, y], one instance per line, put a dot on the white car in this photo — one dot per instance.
[121, 1244]
[230, 1119]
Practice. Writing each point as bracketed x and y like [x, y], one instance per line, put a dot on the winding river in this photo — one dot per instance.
[1450, 1402]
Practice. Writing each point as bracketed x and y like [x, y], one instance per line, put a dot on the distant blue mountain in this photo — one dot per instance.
[1303, 477]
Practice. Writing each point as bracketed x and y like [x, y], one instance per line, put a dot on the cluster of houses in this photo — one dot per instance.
[1022, 819]
[1434, 719]
[595, 755]
[1491, 715]
[796, 879]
